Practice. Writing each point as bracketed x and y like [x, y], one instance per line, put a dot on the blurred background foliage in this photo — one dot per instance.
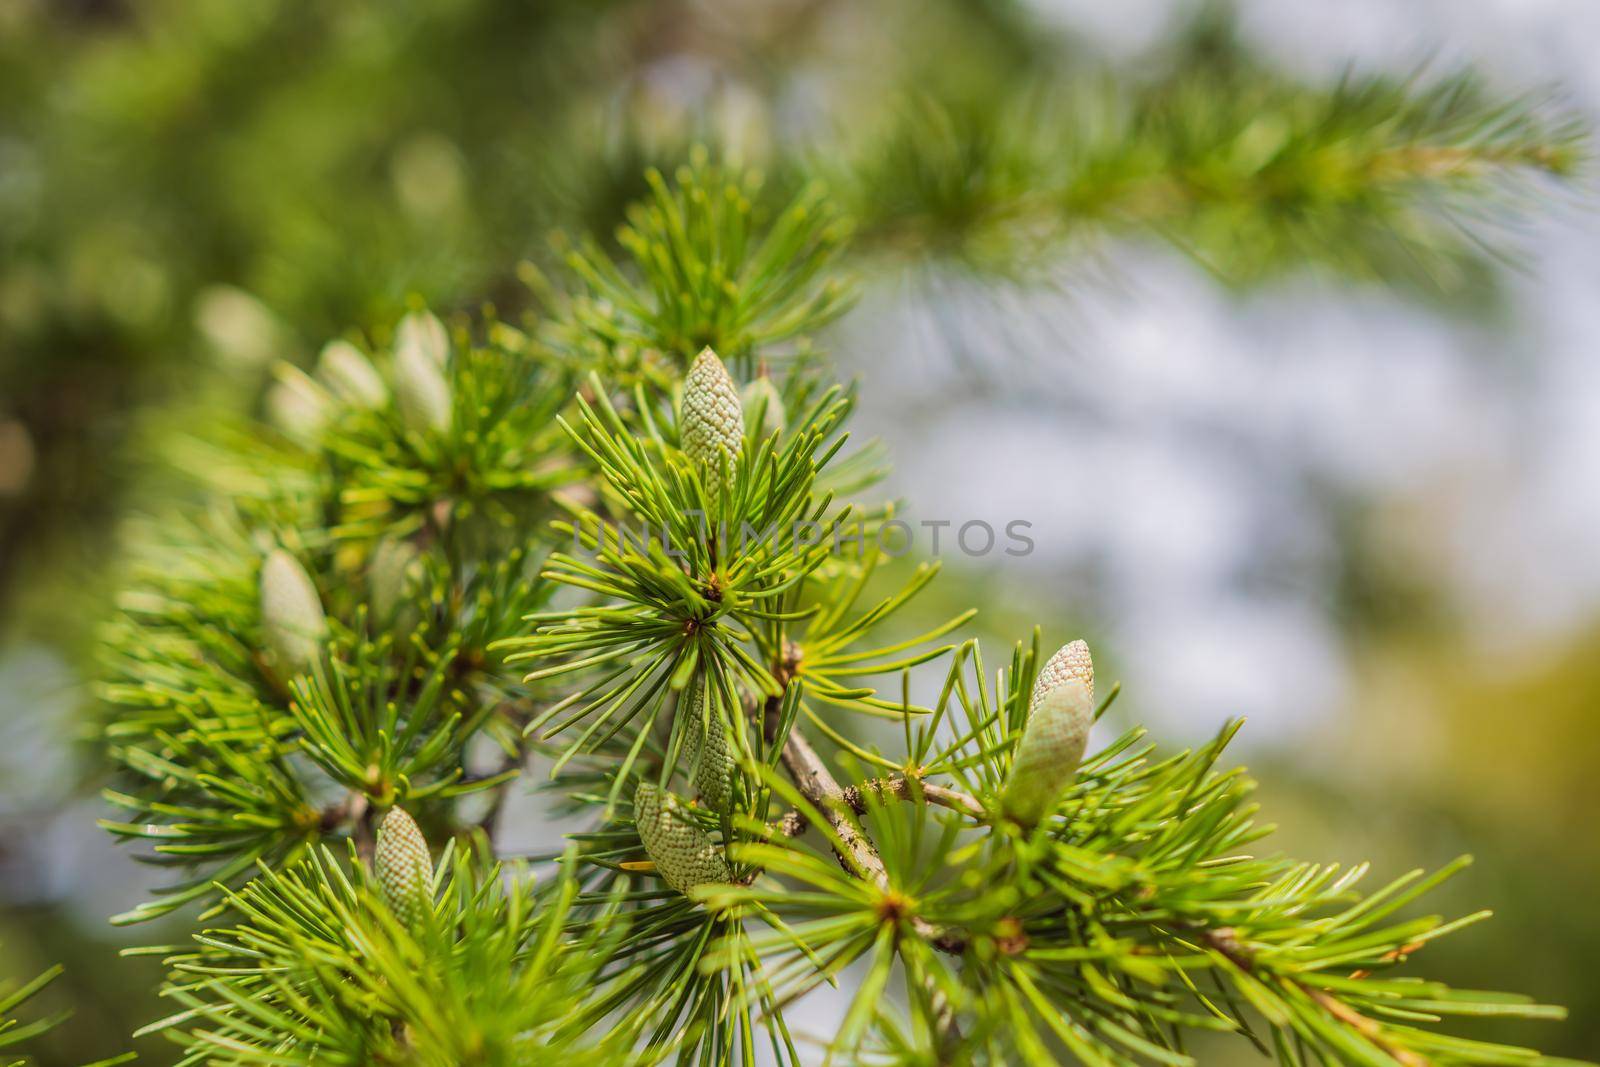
[191, 189]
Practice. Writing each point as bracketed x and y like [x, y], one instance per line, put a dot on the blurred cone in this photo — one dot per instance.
[292, 618]
[348, 374]
[421, 389]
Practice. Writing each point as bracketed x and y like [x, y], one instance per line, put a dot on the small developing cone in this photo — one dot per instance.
[421, 390]
[404, 867]
[710, 761]
[763, 401]
[1047, 757]
[713, 418]
[1070, 661]
[292, 619]
[684, 855]
[349, 375]
[391, 578]
[298, 406]
[422, 332]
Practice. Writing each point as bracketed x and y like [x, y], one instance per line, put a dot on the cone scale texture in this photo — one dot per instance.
[713, 417]
[404, 867]
[706, 754]
[685, 855]
[1070, 661]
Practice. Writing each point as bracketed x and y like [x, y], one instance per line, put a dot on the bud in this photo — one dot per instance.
[391, 574]
[421, 332]
[421, 389]
[291, 613]
[297, 406]
[348, 374]
[710, 760]
[684, 855]
[713, 417]
[1070, 661]
[1046, 759]
[763, 401]
[404, 867]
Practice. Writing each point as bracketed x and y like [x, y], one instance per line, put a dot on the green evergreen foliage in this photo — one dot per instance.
[266, 177]
[14, 1032]
[314, 969]
[582, 589]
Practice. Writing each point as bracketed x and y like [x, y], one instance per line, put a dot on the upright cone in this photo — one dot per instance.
[404, 867]
[292, 619]
[298, 406]
[1071, 660]
[1060, 714]
[421, 389]
[346, 372]
[713, 418]
[391, 578]
[685, 855]
[707, 753]
[422, 333]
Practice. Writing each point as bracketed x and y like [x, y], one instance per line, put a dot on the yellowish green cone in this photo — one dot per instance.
[298, 406]
[710, 761]
[1047, 757]
[713, 418]
[685, 855]
[420, 388]
[391, 576]
[422, 333]
[404, 867]
[346, 372]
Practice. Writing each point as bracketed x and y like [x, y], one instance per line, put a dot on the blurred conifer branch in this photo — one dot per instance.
[155, 150]
[1250, 172]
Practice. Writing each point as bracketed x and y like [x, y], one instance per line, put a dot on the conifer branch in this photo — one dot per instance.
[818, 785]
[901, 787]
[406, 586]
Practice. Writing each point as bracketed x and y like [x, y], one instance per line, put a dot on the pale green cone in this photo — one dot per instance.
[346, 372]
[404, 867]
[759, 392]
[711, 763]
[422, 333]
[391, 577]
[292, 619]
[421, 389]
[298, 406]
[713, 417]
[1071, 660]
[685, 855]
[1046, 759]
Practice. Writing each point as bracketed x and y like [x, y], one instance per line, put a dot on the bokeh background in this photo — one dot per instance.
[1360, 508]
